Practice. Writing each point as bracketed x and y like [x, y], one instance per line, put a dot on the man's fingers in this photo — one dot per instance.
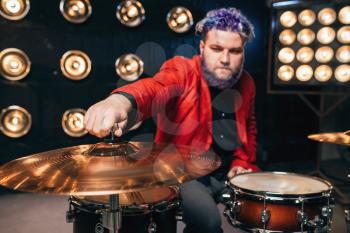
[121, 128]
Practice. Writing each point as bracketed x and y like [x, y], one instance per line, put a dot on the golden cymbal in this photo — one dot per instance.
[107, 168]
[342, 138]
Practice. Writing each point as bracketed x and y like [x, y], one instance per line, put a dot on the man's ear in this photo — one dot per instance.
[201, 47]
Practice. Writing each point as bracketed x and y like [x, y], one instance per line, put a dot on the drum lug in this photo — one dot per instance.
[265, 215]
[107, 219]
[327, 212]
[71, 216]
[317, 223]
[302, 217]
[152, 227]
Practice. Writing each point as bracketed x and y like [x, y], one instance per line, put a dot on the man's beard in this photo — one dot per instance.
[214, 81]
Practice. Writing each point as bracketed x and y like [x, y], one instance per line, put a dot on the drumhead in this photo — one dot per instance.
[152, 196]
[280, 183]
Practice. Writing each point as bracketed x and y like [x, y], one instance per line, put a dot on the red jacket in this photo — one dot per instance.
[179, 97]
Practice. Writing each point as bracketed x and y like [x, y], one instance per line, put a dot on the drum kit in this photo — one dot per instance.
[115, 186]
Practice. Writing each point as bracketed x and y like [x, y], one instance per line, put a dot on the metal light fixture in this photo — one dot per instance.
[343, 34]
[75, 65]
[14, 64]
[324, 54]
[76, 11]
[304, 73]
[327, 16]
[288, 19]
[179, 19]
[286, 55]
[326, 35]
[287, 37]
[14, 9]
[129, 67]
[342, 73]
[306, 36]
[305, 55]
[15, 121]
[130, 13]
[344, 15]
[343, 54]
[307, 17]
[323, 73]
[285, 73]
[73, 122]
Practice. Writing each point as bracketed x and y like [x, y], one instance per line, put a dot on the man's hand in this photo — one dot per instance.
[237, 170]
[101, 117]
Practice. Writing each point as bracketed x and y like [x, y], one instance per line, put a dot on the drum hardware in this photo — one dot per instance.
[265, 215]
[347, 220]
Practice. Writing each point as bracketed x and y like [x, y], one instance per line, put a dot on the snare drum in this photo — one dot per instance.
[277, 201]
[142, 212]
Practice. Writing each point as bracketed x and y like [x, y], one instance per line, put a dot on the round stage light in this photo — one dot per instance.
[285, 73]
[305, 54]
[75, 65]
[179, 19]
[344, 15]
[304, 73]
[129, 67]
[327, 16]
[14, 9]
[343, 34]
[287, 37]
[15, 121]
[326, 35]
[343, 54]
[76, 11]
[286, 55]
[14, 64]
[342, 73]
[288, 19]
[73, 122]
[324, 54]
[323, 73]
[307, 17]
[306, 36]
[130, 13]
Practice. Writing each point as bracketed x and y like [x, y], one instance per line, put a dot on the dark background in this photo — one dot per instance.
[283, 121]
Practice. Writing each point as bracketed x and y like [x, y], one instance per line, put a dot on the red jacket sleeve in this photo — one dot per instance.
[245, 156]
[153, 93]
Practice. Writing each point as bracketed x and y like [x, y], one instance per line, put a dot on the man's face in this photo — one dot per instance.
[222, 53]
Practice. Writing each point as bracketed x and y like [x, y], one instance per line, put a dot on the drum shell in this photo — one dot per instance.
[283, 213]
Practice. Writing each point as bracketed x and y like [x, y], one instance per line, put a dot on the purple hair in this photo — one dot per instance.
[226, 19]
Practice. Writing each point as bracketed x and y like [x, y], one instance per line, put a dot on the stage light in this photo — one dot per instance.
[75, 65]
[342, 73]
[307, 17]
[324, 54]
[326, 35]
[287, 37]
[344, 15]
[129, 67]
[304, 73]
[130, 13]
[14, 9]
[343, 54]
[179, 19]
[327, 16]
[76, 11]
[14, 64]
[305, 55]
[306, 36]
[343, 34]
[286, 55]
[73, 122]
[15, 121]
[288, 19]
[323, 73]
[285, 73]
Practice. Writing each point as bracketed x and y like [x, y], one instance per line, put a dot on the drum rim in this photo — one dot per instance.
[280, 196]
[170, 202]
